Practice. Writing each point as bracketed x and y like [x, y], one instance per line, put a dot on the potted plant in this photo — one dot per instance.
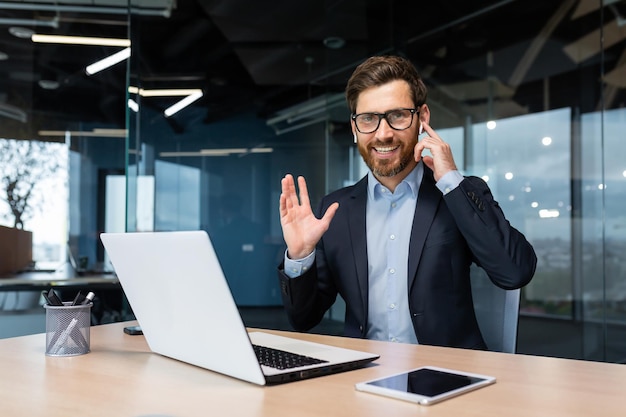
[25, 163]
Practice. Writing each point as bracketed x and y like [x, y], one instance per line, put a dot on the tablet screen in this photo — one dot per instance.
[426, 385]
[426, 382]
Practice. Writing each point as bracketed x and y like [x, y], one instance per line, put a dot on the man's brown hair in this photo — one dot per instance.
[379, 70]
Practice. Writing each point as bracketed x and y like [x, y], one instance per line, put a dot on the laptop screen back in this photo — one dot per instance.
[178, 293]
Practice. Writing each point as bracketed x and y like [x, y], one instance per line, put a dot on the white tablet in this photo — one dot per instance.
[426, 385]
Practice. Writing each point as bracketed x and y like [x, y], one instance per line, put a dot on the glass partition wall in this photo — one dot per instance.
[532, 105]
[530, 97]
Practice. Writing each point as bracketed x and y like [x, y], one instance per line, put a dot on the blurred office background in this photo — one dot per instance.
[530, 95]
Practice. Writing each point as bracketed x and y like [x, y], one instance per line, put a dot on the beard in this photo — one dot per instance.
[387, 167]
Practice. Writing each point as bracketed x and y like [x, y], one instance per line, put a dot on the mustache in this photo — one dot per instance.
[381, 144]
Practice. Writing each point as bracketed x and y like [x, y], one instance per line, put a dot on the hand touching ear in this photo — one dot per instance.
[441, 161]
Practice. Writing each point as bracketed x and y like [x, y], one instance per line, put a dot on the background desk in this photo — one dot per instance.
[20, 307]
[38, 281]
[120, 377]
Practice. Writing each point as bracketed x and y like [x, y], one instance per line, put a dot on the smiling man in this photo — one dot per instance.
[398, 245]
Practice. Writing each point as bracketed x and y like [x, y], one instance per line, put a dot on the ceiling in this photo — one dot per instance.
[477, 57]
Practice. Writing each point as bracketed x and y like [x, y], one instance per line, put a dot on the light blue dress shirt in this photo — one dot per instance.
[389, 216]
[388, 235]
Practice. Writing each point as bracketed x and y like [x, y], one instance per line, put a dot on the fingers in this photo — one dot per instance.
[304, 192]
[429, 130]
[429, 162]
[330, 213]
[288, 189]
[442, 160]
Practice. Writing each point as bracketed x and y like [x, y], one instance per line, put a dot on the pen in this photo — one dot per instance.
[78, 299]
[59, 340]
[63, 338]
[52, 298]
[88, 298]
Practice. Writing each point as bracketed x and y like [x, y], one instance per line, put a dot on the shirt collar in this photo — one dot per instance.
[413, 181]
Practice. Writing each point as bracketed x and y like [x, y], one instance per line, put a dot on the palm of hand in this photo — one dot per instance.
[301, 230]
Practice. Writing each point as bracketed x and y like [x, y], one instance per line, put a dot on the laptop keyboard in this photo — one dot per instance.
[281, 359]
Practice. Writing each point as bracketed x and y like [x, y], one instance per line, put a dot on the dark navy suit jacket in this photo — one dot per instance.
[448, 234]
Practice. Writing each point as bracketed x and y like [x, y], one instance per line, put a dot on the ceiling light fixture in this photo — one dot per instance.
[334, 42]
[13, 112]
[48, 84]
[220, 152]
[171, 92]
[182, 104]
[108, 61]
[132, 104]
[98, 132]
[20, 32]
[234, 151]
[217, 152]
[310, 112]
[79, 40]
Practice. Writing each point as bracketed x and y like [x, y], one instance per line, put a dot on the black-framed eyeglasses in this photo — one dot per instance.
[398, 119]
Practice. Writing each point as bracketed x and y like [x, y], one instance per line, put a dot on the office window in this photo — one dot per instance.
[530, 95]
[35, 174]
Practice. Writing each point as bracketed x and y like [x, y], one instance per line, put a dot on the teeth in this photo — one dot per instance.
[386, 149]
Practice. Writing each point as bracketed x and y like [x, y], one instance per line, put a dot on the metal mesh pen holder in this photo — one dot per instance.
[67, 329]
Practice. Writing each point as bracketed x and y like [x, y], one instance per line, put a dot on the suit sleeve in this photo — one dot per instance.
[307, 297]
[500, 249]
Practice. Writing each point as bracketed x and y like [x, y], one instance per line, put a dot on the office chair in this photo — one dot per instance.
[497, 312]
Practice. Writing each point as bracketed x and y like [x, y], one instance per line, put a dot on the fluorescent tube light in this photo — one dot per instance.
[132, 104]
[217, 152]
[233, 151]
[103, 133]
[80, 40]
[108, 61]
[224, 151]
[182, 104]
[170, 92]
[180, 154]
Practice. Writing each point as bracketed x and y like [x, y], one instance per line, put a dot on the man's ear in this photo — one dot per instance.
[353, 126]
[424, 115]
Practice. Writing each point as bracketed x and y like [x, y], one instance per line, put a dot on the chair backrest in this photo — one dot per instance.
[497, 312]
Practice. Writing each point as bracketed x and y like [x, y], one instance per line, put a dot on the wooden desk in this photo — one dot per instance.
[121, 378]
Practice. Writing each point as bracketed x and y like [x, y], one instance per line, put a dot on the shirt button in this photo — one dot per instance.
[393, 205]
[393, 339]
[392, 306]
[392, 237]
[392, 271]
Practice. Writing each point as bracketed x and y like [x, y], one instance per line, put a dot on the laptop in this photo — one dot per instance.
[181, 299]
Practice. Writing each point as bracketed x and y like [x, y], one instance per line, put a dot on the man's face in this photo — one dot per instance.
[387, 152]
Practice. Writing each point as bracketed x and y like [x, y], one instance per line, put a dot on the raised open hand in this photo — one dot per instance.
[301, 229]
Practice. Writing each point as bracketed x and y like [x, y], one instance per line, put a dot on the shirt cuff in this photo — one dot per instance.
[449, 181]
[296, 267]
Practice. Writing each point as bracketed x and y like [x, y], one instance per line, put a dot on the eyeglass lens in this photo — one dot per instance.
[399, 119]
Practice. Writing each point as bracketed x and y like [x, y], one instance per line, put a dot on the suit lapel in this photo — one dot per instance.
[358, 236]
[428, 200]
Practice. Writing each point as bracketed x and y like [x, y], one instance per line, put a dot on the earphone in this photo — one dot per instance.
[421, 129]
[355, 138]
